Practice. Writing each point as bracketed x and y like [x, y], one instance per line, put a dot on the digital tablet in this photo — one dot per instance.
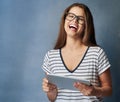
[65, 82]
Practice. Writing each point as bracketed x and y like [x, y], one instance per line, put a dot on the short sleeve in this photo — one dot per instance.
[103, 62]
[46, 65]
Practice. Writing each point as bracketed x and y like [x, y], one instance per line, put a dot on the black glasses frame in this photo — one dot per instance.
[72, 16]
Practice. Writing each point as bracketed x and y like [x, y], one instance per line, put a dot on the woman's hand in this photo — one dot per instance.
[104, 90]
[50, 89]
[85, 89]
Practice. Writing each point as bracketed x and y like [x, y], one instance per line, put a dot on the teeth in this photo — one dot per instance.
[73, 26]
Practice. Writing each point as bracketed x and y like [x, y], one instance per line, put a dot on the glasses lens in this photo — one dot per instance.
[70, 16]
[81, 20]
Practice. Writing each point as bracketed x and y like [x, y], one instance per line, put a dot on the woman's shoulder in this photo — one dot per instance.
[96, 48]
[53, 51]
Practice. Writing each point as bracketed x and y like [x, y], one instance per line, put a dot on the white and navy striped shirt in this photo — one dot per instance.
[90, 67]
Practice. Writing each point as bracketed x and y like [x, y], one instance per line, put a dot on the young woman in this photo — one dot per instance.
[76, 54]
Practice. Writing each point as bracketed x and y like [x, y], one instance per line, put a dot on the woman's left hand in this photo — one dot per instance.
[85, 89]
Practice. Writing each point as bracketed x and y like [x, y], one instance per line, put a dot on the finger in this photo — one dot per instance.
[44, 84]
[45, 89]
[52, 86]
[45, 80]
[78, 85]
[81, 87]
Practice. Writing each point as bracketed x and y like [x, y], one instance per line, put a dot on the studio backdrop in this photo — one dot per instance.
[29, 28]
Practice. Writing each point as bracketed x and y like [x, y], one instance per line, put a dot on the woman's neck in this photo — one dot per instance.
[73, 44]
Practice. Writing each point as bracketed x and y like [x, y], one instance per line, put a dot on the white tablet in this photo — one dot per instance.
[65, 82]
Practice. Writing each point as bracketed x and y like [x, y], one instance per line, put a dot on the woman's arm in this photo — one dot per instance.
[106, 83]
[50, 89]
[104, 90]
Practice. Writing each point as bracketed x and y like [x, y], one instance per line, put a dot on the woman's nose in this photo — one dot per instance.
[75, 19]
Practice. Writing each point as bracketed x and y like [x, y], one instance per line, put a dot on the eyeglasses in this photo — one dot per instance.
[72, 16]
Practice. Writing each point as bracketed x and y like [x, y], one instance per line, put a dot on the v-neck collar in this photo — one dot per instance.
[71, 71]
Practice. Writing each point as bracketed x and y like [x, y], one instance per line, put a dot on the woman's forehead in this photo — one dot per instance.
[77, 10]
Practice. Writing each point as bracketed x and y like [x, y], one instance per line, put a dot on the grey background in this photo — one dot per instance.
[28, 29]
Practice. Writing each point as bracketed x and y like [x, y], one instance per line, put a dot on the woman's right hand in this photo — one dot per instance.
[50, 89]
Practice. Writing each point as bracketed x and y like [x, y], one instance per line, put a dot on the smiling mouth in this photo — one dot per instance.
[74, 27]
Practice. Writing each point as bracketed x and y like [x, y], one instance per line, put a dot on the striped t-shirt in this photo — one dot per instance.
[93, 63]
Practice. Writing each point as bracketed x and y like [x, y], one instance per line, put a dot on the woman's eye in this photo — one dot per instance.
[71, 16]
[80, 18]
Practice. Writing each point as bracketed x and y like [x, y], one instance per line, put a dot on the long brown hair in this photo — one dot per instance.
[89, 32]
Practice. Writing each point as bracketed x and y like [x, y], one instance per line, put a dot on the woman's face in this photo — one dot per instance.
[74, 22]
